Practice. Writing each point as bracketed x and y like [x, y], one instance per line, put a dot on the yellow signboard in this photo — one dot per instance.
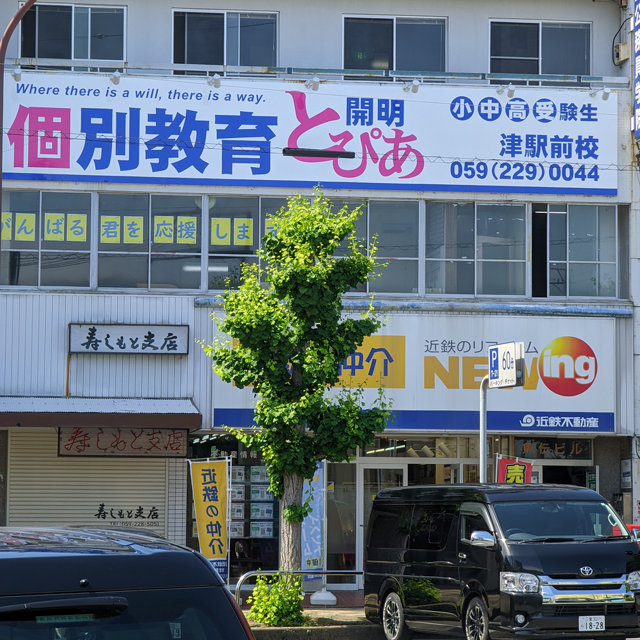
[76, 227]
[25, 227]
[243, 231]
[186, 229]
[209, 483]
[5, 226]
[133, 229]
[54, 226]
[220, 231]
[163, 229]
[110, 229]
[380, 361]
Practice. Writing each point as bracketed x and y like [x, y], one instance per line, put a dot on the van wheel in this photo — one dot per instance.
[476, 621]
[393, 619]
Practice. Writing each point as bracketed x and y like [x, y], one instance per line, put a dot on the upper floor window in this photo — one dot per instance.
[235, 39]
[541, 48]
[72, 32]
[405, 44]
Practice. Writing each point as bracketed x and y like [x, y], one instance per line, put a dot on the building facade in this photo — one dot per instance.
[493, 159]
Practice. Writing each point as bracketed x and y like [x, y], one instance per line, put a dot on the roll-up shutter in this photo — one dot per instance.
[47, 490]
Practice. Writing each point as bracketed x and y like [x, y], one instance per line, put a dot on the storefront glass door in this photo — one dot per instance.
[371, 479]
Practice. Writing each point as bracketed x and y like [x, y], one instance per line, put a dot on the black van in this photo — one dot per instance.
[500, 561]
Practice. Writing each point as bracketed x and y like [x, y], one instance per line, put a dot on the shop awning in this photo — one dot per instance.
[29, 411]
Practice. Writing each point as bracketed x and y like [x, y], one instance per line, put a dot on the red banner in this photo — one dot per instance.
[513, 471]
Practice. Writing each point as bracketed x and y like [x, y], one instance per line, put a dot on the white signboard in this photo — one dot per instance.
[435, 363]
[182, 131]
[504, 361]
[129, 338]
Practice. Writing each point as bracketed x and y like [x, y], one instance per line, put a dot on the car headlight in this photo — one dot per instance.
[519, 582]
[633, 581]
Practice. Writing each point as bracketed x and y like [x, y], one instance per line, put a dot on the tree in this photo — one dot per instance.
[287, 336]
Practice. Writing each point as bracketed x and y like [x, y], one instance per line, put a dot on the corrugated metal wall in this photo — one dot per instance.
[45, 490]
[34, 330]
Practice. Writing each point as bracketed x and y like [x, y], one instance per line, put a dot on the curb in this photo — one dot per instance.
[335, 632]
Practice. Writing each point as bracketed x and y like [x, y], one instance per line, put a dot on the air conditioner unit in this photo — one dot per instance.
[621, 52]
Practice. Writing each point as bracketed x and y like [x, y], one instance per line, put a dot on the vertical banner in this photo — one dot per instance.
[313, 525]
[635, 58]
[209, 484]
[513, 471]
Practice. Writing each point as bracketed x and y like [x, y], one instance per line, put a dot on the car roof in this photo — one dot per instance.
[487, 493]
[35, 560]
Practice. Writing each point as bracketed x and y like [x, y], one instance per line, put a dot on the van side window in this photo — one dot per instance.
[390, 526]
[431, 526]
[473, 522]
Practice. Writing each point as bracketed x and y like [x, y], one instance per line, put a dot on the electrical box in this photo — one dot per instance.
[621, 52]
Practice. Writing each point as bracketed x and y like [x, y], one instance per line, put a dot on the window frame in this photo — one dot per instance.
[540, 24]
[395, 18]
[225, 13]
[567, 261]
[73, 7]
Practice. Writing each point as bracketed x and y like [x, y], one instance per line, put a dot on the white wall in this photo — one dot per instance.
[311, 32]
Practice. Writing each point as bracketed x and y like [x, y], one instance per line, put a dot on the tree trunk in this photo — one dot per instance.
[290, 540]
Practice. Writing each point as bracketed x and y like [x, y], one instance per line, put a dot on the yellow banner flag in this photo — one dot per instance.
[209, 483]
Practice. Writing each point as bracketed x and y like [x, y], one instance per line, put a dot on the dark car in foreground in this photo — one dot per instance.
[74, 584]
[501, 562]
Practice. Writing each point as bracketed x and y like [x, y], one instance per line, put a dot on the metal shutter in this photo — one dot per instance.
[44, 489]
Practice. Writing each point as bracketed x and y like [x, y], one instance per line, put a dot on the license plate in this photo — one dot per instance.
[591, 623]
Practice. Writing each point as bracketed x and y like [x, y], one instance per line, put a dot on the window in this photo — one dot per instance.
[406, 44]
[73, 33]
[149, 242]
[540, 48]
[431, 525]
[234, 238]
[574, 251]
[495, 265]
[45, 239]
[390, 526]
[235, 39]
[473, 522]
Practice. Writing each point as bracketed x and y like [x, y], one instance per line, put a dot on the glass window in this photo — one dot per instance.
[540, 519]
[234, 237]
[566, 49]
[123, 241]
[249, 39]
[407, 44]
[574, 251]
[548, 48]
[473, 522]
[450, 237]
[45, 239]
[431, 525]
[395, 226]
[390, 526]
[501, 245]
[75, 33]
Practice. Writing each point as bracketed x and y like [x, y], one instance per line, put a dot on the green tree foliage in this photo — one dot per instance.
[287, 335]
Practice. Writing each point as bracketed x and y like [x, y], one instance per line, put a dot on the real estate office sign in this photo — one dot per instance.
[431, 367]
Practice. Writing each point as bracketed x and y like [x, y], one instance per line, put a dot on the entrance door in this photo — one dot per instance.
[371, 479]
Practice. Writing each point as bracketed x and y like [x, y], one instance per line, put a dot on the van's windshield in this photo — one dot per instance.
[559, 521]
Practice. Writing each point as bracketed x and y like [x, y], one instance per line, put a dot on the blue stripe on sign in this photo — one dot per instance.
[306, 184]
[503, 421]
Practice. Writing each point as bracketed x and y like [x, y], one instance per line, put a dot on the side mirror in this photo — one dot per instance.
[482, 539]
[636, 534]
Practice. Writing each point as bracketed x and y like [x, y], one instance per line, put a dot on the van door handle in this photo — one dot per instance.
[462, 557]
